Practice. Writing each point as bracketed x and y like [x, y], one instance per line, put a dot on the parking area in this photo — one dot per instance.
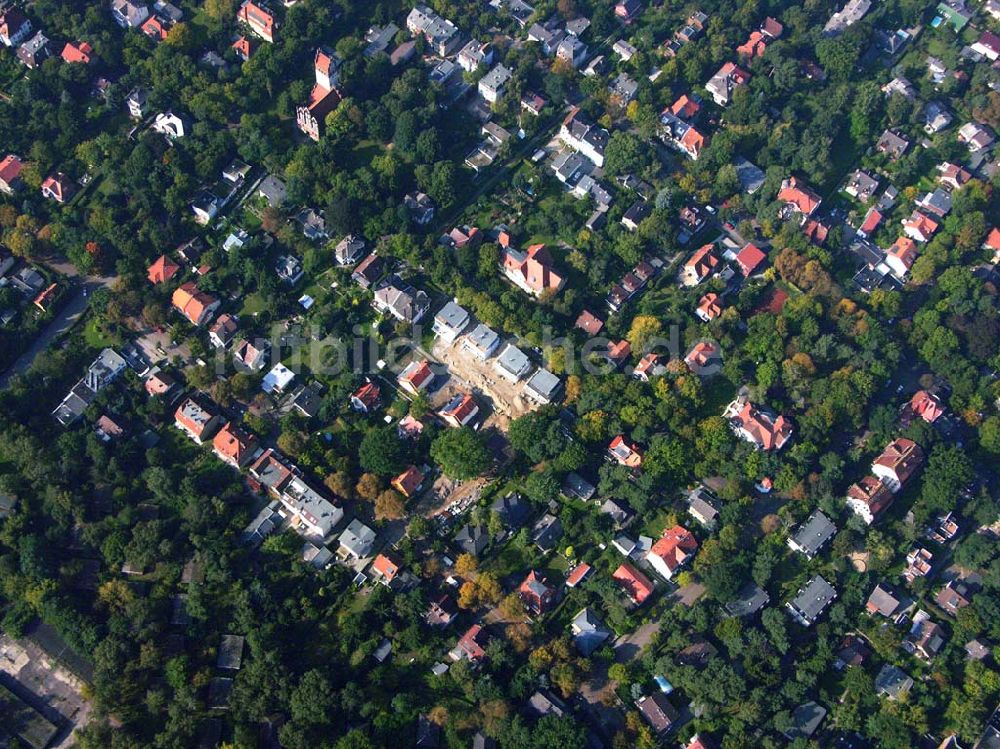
[47, 686]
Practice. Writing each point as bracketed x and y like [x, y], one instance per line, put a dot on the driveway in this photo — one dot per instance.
[65, 319]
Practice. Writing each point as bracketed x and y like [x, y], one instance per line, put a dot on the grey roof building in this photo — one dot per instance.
[589, 632]
[751, 599]
[542, 386]
[892, 682]
[703, 506]
[812, 535]
[575, 485]
[513, 509]
[547, 532]
[472, 539]
[512, 363]
[811, 601]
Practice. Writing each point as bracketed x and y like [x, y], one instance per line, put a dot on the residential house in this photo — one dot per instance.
[810, 602]
[869, 498]
[512, 510]
[537, 594]
[542, 386]
[900, 256]
[624, 50]
[623, 89]
[460, 410]
[474, 54]
[356, 541]
[277, 381]
[812, 535]
[14, 26]
[493, 85]
[197, 421]
[441, 34]
[349, 249]
[648, 366]
[420, 207]
[635, 584]
[366, 398]
[409, 482]
[223, 330]
[162, 270]
[578, 575]
[703, 506]
[952, 176]
[196, 306]
[754, 46]
[441, 612]
[749, 601]
[658, 712]
[546, 532]
[873, 219]
[58, 187]
[572, 51]
[136, 103]
[385, 568]
[472, 539]
[892, 144]
[700, 265]
[251, 357]
[10, 174]
[884, 600]
[757, 424]
[313, 224]
[892, 682]
[634, 216]
[749, 259]
[77, 52]
[977, 137]
[234, 446]
[708, 307]
[584, 137]
[988, 45]
[675, 547]
[416, 376]
[798, 197]
[626, 11]
[861, 185]
[588, 631]
[936, 117]
[128, 14]
[724, 83]
[926, 405]
[369, 270]
[258, 18]
[954, 596]
[918, 564]
[900, 460]
[471, 646]
[170, 125]
[402, 301]
[531, 270]
[625, 453]
[482, 342]
[701, 356]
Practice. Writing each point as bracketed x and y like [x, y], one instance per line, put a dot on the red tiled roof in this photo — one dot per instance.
[700, 354]
[993, 240]
[162, 269]
[927, 406]
[77, 52]
[675, 546]
[233, 445]
[368, 394]
[590, 324]
[755, 46]
[872, 492]
[871, 222]
[902, 457]
[709, 306]
[799, 196]
[685, 107]
[534, 268]
[749, 258]
[408, 481]
[386, 567]
[191, 302]
[636, 584]
[577, 574]
[10, 169]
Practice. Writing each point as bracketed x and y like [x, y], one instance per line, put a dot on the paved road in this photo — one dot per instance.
[65, 319]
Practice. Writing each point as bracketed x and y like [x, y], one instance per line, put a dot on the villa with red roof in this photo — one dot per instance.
[366, 397]
[471, 646]
[535, 592]
[625, 453]
[900, 460]
[10, 173]
[531, 270]
[798, 197]
[920, 227]
[243, 46]
[578, 574]
[722, 85]
[757, 425]
[993, 242]
[927, 406]
[234, 446]
[636, 585]
[385, 568]
[701, 354]
[869, 498]
[901, 256]
[416, 377]
[258, 18]
[589, 323]
[408, 482]
[755, 46]
[58, 187]
[197, 306]
[700, 265]
[674, 549]
[162, 270]
[460, 410]
[872, 220]
[708, 307]
[685, 107]
[77, 52]
[749, 258]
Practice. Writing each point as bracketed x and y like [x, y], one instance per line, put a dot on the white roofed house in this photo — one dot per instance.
[474, 54]
[512, 363]
[349, 250]
[450, 322]
[357, 541]
[482, 341]
[542, 386]
[493, 85]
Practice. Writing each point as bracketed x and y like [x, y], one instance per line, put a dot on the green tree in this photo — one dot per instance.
[461, 453]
